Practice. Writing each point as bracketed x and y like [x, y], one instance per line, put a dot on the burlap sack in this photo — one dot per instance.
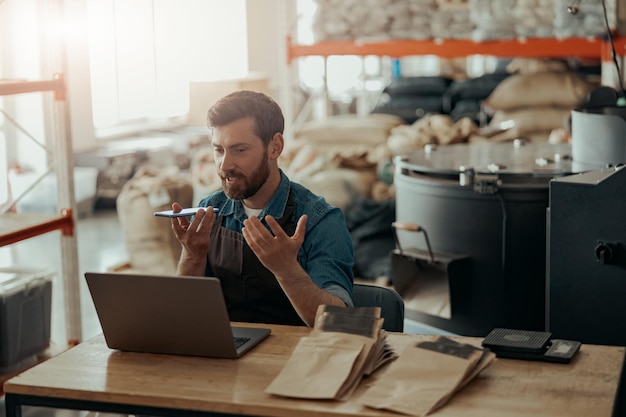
[510, 135]
[532, 119]
[349, 129]
[340, 186]
[150, 242]
[534, 65]
[204, 177]
[541, 89]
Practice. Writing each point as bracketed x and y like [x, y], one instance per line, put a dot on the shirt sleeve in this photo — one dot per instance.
[327, 255]
[340, 293]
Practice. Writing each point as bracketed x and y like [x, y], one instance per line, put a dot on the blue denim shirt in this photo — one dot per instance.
[326, 254]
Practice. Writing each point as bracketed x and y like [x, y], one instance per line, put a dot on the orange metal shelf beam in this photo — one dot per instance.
[64, 222]
[39, 226]
[454, 48]
[56, 84]
[620, 49]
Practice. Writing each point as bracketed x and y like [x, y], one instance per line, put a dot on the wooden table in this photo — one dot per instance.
[90, 376]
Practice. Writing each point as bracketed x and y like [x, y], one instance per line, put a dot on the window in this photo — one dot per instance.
[144, 54]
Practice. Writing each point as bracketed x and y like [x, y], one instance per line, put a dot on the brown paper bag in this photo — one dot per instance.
[426, 376]
[319, 366]
[364, 321]
[346, 344]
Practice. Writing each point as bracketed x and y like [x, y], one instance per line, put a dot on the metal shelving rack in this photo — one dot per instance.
[587, 48]
[456, 48]
[15, 227]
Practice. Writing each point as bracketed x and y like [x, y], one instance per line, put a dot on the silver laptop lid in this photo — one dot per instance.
[166, 314]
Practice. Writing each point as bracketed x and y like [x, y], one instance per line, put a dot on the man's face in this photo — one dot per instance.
[241, 159]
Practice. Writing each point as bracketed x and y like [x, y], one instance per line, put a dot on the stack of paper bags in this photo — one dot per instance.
[426, 376]
[346, 344]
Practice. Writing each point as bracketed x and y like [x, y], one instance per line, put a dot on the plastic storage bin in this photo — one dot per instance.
[25, 308]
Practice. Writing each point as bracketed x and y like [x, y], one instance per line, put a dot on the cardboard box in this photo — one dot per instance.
[25, 308]
[203, 94]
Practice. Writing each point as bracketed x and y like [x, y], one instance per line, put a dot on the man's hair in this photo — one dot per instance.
[267, 115]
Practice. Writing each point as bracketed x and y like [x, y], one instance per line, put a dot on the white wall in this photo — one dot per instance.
[268, 22]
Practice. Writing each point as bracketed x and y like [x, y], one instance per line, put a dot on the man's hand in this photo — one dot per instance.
[276, 250]
[195, 238]
[279, 253]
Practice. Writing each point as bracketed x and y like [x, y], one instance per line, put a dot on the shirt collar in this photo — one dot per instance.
[277, 204]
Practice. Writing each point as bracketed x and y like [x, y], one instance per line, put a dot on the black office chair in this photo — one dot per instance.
[390, 303]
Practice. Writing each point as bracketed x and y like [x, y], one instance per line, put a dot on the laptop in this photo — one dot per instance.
[176, 315]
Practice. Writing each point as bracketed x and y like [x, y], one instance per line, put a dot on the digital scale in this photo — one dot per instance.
[530, 345]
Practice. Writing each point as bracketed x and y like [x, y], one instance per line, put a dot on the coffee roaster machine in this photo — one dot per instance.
[483, 209]
[525, 235]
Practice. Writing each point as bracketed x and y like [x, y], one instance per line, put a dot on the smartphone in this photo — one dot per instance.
[183, 213]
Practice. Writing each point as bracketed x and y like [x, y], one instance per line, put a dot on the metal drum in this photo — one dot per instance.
[599, 131]
[486, 202]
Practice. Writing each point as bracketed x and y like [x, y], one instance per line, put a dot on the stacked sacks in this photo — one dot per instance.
[493, 20]
[151, 245]
[366, 19]
[411, 20]
[338, 157]
[532, 65]
[452, 20]
[413, 97]
[480, 20]
[530, 104]
[534, 18]
[588, 21]
[204, 176]
[433, 129]
[510, 19]
[463, 98]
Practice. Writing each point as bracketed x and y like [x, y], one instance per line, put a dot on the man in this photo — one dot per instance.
[279, 250]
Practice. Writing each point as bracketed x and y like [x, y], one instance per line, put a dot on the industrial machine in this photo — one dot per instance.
[521, 235]
[587, 229]
[483, 207]
[587, 257]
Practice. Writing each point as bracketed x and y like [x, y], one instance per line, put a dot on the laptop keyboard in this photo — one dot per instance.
[240, 341]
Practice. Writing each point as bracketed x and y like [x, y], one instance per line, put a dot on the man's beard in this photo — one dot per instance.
[250, 185]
